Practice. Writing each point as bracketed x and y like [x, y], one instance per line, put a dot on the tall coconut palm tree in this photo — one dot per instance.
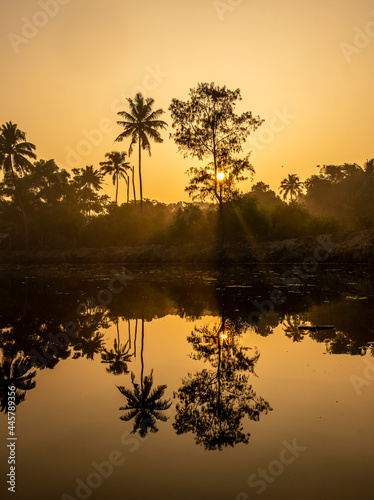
[15, 155]
[133, 182]
[291, 186]
[117, 167]
[141, 124]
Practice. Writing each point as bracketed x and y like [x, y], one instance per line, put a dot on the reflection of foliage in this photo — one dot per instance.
[88, 344]
[15, 372]
[214, 402]
[341, 343]
[89, 341]
[144, 405]
[213, 409]
[291, 328]
[118, 357]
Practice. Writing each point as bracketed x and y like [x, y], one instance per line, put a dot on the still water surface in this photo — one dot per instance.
[224, 394]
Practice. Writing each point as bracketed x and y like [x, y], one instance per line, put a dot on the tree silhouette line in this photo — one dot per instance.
[43, 206]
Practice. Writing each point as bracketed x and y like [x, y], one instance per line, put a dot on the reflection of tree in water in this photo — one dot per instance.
[341, 343]
[15, 372]
[291, 327]
[144, 404]
[89, 341]
[213, 402]
[119, 356]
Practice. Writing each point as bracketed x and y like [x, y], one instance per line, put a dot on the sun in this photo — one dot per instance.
[220, 176]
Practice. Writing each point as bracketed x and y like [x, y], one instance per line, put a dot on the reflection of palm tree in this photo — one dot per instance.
[291, 328]
[15, 153]
[13, 373]
[291, 186]
[144, 405]
[117, 167]
[119, 356]
[141, 124]
[88, 343]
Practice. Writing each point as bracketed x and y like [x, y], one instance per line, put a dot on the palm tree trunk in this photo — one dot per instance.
[118, 333]
[117, 189]
[22, 208]
[128, 188]
[142, 352]
[133, 184]
[135, 335]
[140, 180]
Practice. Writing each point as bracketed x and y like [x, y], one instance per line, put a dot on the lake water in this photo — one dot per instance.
[225, 393]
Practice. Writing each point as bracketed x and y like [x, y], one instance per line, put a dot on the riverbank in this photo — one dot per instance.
[355, 247]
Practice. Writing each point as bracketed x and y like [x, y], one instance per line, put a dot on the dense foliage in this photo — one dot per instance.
[64, 211]
[45, 207]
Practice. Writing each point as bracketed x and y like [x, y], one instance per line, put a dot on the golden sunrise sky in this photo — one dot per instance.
[305, 66]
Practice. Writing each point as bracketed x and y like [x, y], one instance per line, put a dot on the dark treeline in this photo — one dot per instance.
[45, 207]
[67, 211]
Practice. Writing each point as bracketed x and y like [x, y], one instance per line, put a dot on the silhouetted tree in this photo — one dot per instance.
[265, 196]
[206, 126]
[141, 124]
[88, 177]
[88, 182]
[15, 155]
[117, 167]
[230, 172]
[291, 186]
